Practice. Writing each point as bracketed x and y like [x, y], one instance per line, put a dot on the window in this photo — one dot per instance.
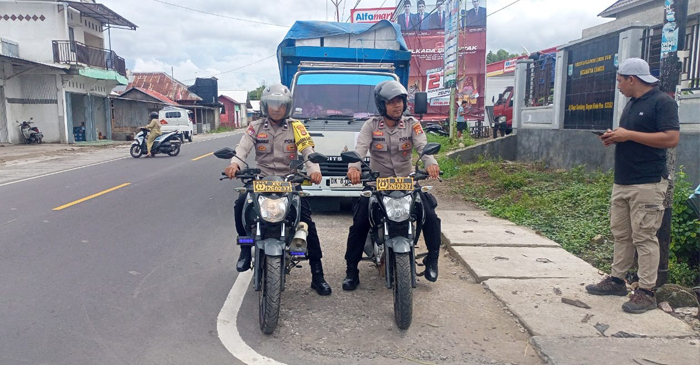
[71, 38]
[173, 115]
[9, 48]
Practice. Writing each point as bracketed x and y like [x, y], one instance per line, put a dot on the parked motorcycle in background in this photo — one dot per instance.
[165, 143]
[29, 133]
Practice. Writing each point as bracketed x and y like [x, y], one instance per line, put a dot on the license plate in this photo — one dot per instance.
[263, 186]
[394, 183]
[342, 182]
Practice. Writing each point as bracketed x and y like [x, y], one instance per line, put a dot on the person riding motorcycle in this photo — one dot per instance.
[390, 140]
[277, 140]
[154, 128]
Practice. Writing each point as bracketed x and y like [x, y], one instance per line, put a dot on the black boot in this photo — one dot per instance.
[431, 266]
[318, 283]
[244, 259]
[352, 277]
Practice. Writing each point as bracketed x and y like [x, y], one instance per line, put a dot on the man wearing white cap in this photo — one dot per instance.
[648, 126]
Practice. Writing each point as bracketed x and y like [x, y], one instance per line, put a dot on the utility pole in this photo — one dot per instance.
[672, 40]
[336, 3]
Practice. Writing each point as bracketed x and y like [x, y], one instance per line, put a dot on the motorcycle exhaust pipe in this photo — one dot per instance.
[298, 246]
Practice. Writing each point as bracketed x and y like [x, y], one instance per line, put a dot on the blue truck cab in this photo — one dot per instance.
[332, 69]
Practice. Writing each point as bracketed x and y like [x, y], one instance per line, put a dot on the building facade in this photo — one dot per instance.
[55, 68]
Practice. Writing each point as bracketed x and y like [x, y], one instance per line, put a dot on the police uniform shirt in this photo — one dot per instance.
[390, 148]
[274, 147]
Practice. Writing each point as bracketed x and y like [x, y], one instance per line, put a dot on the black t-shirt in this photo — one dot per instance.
[636, 163]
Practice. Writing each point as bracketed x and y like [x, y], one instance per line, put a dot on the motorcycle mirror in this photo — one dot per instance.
[431, 148]
[317, 157]
[350, 157]
[420, 105]
[225, 153]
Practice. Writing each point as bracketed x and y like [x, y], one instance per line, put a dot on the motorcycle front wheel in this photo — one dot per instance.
[135, 151]
[403, 290]
[175, 151]
[270, 295]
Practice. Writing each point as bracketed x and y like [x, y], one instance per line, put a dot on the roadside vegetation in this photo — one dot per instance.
[571, 208]
[222, 130]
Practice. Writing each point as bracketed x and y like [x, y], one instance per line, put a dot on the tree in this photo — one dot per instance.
[255, 94]
[500, 55]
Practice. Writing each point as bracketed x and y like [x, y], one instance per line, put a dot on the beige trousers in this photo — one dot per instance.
[636, 212]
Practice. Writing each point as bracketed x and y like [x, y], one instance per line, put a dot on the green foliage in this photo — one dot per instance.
[222, 129]
[684, 253]
[448, 144]
[572, 208]
[500, 55]
[255, 94]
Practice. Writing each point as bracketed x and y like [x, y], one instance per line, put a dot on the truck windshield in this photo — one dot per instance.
[318, 95]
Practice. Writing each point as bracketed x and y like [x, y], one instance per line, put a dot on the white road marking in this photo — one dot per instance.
[62, 171]
[227, 327]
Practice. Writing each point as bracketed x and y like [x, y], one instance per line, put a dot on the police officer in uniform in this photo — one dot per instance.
[273, 139]
[390, 140]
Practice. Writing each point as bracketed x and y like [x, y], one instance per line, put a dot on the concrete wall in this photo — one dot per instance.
[504, 148]
[35, 96]
[688, 109]
[564, 149]
[34, 36]
[538, 117]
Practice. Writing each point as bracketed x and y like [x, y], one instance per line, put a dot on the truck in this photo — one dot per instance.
[503, 113]
[332, 69]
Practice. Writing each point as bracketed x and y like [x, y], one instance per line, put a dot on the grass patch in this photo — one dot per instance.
[571, 208]
[223, 129]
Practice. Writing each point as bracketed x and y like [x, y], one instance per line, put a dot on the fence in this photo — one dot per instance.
[651, 52]
[539, 87]
[72, 52]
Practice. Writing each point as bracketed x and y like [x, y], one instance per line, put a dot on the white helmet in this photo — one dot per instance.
[276, 95]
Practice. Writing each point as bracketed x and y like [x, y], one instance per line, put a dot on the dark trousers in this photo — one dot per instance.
[312, 242]
[361, 226]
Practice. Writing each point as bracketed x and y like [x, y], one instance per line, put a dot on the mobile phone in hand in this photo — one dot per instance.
[599, 133]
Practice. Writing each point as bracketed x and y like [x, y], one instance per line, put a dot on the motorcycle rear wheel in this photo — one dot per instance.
[403, 290]
[270, 295]
[135, 151]
[175, 151]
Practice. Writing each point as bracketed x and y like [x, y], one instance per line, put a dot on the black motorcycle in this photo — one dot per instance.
[395, 207]
[166, 143]
[436, 129]
[271, 216]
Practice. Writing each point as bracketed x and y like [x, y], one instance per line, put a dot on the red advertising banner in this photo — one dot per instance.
[424, 32]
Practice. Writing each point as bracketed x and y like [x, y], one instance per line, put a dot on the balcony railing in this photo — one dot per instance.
[77, 53]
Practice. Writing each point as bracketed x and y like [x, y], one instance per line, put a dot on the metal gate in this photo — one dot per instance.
[4, 132]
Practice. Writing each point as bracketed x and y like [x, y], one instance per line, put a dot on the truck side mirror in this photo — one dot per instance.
[420, 105]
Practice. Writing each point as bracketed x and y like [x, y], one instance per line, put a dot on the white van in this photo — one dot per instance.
[176, 119]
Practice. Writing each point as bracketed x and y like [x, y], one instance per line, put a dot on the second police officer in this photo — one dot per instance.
[276, 145]
[390, 139]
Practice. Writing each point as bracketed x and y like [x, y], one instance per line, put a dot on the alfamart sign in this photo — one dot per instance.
[371, 15]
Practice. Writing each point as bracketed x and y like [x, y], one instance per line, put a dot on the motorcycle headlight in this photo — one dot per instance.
[398, 209]
[273, 210]
[502, 119]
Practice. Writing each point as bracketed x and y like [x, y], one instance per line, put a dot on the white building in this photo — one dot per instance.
[56, 68]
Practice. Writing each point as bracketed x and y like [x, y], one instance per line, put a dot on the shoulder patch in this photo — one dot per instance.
[251, 130]
[417, 128]
[301, 136]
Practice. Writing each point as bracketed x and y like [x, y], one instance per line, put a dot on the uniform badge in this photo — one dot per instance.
[262, 135]
[406, 146]
[378, 133]
[262, 148]
[405, 153]
[301, 129]
[291, 148]
[417, 128]
[251, 131]
[292, 156]
[379, 146]
[402, 124]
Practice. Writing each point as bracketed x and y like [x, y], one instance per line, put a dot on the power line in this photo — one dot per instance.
[238, 68]
[219, 15]
[355, 7]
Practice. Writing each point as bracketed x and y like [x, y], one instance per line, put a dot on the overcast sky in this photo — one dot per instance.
[201, 45]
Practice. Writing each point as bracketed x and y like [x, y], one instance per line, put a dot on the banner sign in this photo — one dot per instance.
[448, 43]
[372, 15]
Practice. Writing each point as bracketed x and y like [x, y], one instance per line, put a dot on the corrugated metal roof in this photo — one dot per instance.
[255, 105]
[621, 5]
[154, 94]
[163, 84]
[239, 96]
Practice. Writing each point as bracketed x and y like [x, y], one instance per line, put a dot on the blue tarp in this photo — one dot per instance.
[318, 29]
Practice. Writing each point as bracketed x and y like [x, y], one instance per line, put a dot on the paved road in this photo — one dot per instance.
[139, 275]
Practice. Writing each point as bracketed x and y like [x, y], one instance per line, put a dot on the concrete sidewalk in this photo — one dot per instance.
[531, 274]
[20, 161]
